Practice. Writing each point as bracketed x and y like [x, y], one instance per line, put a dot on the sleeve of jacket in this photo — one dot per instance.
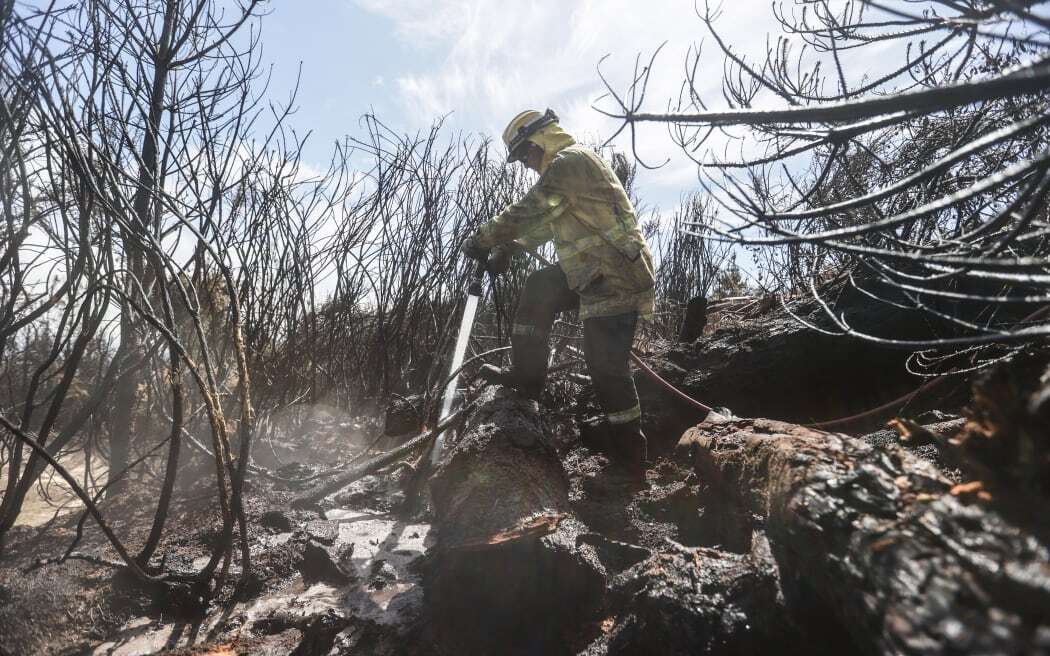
[529, 219]
[536, 238]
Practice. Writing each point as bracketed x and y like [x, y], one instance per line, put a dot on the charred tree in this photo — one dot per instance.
[920, 174]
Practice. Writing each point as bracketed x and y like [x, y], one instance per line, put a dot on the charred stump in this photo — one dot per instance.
[507, 565]
[874, 542]
[695, 320]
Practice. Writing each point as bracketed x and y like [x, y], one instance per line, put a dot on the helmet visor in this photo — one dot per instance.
[517, 154]
[518, 146]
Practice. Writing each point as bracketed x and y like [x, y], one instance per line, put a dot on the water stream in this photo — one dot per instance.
[448, 400]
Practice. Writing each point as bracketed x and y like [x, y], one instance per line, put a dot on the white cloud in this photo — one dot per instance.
[484, 61]
[421, 22]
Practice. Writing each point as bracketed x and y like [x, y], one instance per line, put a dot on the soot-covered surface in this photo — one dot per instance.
[755, 537]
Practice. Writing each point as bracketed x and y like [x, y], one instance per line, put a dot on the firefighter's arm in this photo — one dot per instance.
[536, 238]
[498, 258]
[528, 220]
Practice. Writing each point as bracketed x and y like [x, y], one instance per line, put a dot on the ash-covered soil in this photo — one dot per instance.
[347, 578]
[683, 567]
[341, 580]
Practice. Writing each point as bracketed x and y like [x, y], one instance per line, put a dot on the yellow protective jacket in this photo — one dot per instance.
[580, 204]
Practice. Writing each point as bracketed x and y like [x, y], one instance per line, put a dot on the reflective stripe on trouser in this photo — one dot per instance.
[545, 294]
[625, 416]
[607, 346]
[607, 343]
[526, 330]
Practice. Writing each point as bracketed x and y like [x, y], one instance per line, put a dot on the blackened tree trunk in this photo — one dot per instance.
[139, 227]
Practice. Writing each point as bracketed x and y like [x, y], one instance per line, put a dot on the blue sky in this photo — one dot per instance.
[346, 53]
[482, 61]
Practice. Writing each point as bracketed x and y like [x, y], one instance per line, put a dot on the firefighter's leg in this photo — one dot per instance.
[607, 345]
[545, 294]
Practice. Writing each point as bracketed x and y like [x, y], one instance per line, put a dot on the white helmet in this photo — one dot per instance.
[523, 126]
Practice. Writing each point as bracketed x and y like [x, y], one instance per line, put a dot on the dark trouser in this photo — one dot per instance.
[606, 344]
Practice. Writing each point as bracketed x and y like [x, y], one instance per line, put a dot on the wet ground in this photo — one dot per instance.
[371, 583]
[347, 579]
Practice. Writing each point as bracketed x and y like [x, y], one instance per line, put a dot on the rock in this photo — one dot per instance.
[700, 601]
[319, 634]
[322, 531]
[277, 520]
[382, 575]
[324, 563]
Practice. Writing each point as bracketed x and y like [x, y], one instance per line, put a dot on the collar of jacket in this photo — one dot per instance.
[552, 139]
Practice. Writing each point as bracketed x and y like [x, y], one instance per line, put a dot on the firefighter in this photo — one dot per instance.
[605, 270]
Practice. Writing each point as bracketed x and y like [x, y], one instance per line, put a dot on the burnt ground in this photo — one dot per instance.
[683, 573]
[354, 567]
[348, 579]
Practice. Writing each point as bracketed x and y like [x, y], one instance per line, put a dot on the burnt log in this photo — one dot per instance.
[924, 440]
[1005, 443]
[873, 541]
[508, 564]
[311, 497]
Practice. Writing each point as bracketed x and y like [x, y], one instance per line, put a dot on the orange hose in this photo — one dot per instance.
[668, 386]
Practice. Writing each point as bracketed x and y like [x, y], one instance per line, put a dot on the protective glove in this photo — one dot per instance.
[472, 249]
[499, 260]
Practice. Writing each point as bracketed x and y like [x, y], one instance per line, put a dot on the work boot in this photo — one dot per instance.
[629, 448]
[528, 359]
[624, 444]
[595, 434]
[528, 371]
